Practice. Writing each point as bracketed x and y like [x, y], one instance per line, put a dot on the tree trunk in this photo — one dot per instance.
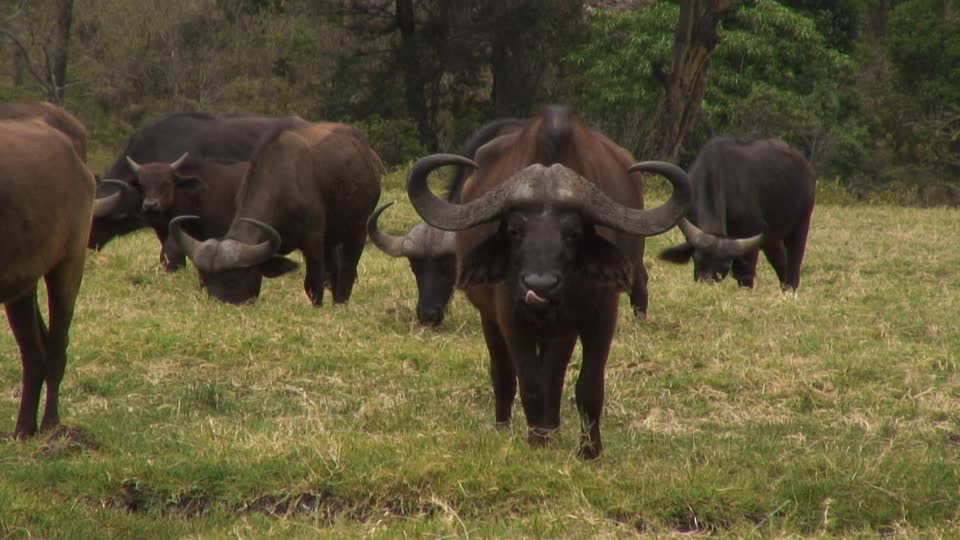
[678, 107]
[58, 68]
[18, 65]
[414, 81]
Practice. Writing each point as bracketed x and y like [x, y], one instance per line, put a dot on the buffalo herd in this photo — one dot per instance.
[542, 226]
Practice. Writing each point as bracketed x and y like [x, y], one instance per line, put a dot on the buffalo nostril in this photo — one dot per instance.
[430, 316]
[541, 282]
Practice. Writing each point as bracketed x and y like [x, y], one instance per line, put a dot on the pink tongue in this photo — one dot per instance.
[534, 298]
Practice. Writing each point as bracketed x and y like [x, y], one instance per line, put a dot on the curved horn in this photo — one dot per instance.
[438, 212]
[133, 165]
[191, 246]
[252, 255]
[105, 206]
[387, 243]
[180, 161]
[716, 245]
[657, 220]
[219, 255]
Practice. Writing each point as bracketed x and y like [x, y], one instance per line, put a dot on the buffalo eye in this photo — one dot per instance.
[572, 229]
[515, 227]
[135, 182]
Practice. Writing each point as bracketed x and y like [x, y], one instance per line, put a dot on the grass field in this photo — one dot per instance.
[833, 411]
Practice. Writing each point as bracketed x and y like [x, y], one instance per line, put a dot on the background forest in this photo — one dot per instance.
[868, 89]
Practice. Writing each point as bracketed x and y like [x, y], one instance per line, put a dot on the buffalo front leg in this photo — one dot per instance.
[596, 338]
[639, 295]
[554, 358]
[24, 317]
[502, 375]
[745, 269]
[171, 256]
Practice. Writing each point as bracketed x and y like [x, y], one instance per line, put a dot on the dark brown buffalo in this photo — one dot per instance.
[429, 250]
[204, 136]
[48, 196]
[748, 197]
[53, 116]
[309, 189]
[206, 189]
[550, 230]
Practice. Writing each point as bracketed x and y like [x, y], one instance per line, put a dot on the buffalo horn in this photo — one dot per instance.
[105, 206]
[180, 161]
[133, 165]
[219, 255]
[441, 214]
[387, 243]
[718, 246]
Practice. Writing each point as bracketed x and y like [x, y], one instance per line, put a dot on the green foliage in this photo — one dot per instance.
[772, 74]
[924, 44]
[395, 139]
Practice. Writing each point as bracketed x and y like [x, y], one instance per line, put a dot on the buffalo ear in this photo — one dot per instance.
[600, 260]
[277, 266]
[679, 254]
[488, 262]
[191, 183]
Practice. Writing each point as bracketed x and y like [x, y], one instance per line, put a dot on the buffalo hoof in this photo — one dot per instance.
[539, 436]
[503, 425]
[589, 449]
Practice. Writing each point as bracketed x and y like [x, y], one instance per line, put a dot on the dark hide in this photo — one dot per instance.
[228, 138]
[314, 187]
[543, 276]
[46, 193]
[744, 189]
[206, 189]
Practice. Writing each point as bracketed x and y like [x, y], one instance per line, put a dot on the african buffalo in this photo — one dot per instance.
[207, 189]
[56, 117]
[549, 230]
[310, 189]
[430, 250]
[204, 136]
[48, 199]
[747, 197]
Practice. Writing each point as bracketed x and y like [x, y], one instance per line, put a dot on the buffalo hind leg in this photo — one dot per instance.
[777, 257]
[596, 338]
[23, 314]
[63, 284]
[796, 245]
[349, 257]
[502, 374]
[639, 296]
[745, 269]
[313, 282]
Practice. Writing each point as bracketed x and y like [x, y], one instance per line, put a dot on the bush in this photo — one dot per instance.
[394, 139]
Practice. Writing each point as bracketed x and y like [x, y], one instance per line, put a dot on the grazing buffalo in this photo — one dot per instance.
[48, 198]
[53, 116]
[310, 189]
[204, 136]
[207, 189]
[548, 232]
[430, 250]
[747, 197]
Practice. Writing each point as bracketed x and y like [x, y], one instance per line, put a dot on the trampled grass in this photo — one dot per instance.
[834, 411]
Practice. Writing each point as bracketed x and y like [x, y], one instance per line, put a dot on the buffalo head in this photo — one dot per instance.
[547, 240]
[159, 183]
[432, 260]
[712, 254]
[232, 270]
[116, 212]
